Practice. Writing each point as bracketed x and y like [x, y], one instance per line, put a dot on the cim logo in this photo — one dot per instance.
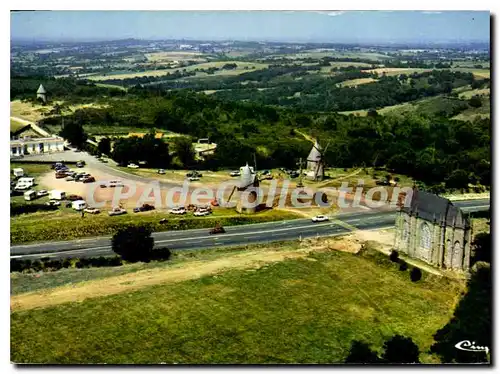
[466, 345]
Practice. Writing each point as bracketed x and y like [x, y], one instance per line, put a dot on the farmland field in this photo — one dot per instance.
[396, 71]
[357, 82]
[173, 56]
[316, 304]
[206, 65]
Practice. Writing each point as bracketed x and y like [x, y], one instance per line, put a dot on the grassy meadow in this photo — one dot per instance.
[299, 310]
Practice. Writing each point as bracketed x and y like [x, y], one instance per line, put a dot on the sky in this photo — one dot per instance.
[293, 26]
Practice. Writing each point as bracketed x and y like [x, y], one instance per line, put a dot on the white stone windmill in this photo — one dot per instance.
[41, 94]
[316, 162]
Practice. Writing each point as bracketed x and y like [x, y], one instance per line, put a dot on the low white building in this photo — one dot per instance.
[31, 139]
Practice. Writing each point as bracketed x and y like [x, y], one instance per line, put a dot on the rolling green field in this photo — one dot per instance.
[304, 310]
[205, 65]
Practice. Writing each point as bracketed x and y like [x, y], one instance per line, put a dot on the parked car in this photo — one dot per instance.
[235, 173]
[89, 180]
[133, 166]
[192, 179]
[217, 230]
[61, 174]
[201, 213]
[30, 195]
[144, 208]
[69, 178]
[79, 205]
[320, 218]
[92, 210]
[80, 164]
[117, 211]
[57, 195]
[42, 193]
[179, 210]
[74, 198]
[161, 171]
[115, 184]
[194, 174]
[53, 203]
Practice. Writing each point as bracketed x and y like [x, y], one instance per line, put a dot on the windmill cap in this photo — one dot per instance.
[40, 90]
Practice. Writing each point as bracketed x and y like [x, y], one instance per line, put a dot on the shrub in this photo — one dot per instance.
[66, 263]
[161, 254]
[415, 274]
[360, 353]
[400, 350]
[403, 266]
[17, 209]
[133, 243]
[394, 256]
[37, 265]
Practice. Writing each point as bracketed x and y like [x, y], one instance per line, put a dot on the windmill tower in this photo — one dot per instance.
[316, 163]
[248, 179]
[41, 94]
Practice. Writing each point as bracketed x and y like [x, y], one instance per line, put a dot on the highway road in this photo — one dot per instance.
[235, 235]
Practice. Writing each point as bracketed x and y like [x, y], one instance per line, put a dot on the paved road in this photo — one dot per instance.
[235, 235]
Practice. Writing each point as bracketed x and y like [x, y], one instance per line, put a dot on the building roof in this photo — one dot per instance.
[432, 208]
[247, 176]
[315, 154]
[41, 90]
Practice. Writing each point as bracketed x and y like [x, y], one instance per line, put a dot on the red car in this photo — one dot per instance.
[89, 180]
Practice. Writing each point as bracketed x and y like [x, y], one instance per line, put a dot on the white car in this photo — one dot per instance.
[201, 213]
[161, 171]
[42, 193]
[117, 211]
[133, 166]
[53, 203]
[192, 179]
[92, 210]
[180, 210]
[235, 173]
[320, 218]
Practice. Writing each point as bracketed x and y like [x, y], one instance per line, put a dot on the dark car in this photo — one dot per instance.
[80, 164]
[217, 230]
[89, 180]
[144, 208]
[74, 197]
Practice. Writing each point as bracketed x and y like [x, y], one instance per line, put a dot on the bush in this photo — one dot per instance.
[161, 254]
[17, 209]
[133, 243]
[415, 274]
[403, 266]
[394, 256]
[66, 263]
[360, 353]
[400, 350]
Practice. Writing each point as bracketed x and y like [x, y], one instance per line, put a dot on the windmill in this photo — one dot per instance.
[316, 162]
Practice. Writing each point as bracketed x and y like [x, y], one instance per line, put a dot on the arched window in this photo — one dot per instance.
[457, 256]
[425, 236]
[406, 231]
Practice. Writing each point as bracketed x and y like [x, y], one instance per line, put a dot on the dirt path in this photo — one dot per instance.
[135, 281]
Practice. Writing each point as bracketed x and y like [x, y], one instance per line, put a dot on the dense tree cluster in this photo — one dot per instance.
[440, 152]
[134, 149]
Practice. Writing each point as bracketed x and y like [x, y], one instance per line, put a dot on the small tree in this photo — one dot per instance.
[415, 274]
[394, 256]
[133, 243]
[104, 146]
[400, 350]
[360, 353]
[74, 133]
